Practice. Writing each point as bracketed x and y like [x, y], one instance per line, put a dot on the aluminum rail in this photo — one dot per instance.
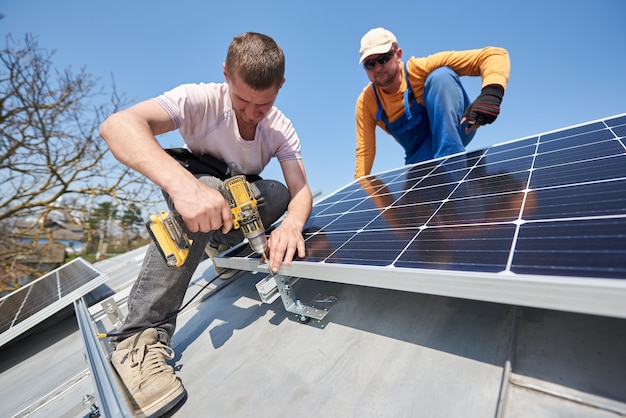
[112, 402]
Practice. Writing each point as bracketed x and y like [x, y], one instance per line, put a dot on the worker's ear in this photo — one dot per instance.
[399, 53]
[281, 84]
[224, 71]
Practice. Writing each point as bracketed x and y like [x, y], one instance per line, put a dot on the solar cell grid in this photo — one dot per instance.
[40, 294]
[473, 247]
[9, 308]
[73, 276]
[586, 247]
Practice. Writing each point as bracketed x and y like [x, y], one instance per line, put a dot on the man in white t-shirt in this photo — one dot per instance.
[235, 123]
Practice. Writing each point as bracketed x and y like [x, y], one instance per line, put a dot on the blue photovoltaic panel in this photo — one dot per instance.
[554, 204]
[40, 299]
[549, 205]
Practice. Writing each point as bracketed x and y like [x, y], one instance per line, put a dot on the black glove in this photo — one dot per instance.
[485, 108]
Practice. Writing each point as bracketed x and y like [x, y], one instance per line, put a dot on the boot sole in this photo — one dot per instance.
[158, 408]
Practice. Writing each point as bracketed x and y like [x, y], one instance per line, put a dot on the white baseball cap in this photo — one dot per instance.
[376, 41]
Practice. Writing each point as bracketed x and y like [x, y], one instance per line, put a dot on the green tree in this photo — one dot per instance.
[132, 217]
[133, 222]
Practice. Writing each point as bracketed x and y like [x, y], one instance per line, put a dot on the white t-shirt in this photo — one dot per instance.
[204, 116]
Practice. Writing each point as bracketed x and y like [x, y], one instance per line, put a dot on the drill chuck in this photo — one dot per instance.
[257, 241]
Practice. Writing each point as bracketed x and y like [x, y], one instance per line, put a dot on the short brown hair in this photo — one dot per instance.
[257, 60]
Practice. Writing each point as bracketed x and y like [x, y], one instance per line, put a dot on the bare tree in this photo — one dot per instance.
[50, 149]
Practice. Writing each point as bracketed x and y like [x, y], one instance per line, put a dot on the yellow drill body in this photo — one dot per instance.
[168, 233]
[243, 206]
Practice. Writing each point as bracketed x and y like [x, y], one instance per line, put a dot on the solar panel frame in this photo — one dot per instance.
[539, 221]
[37, 301]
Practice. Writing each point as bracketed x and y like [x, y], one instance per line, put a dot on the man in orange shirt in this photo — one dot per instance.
[422, 102]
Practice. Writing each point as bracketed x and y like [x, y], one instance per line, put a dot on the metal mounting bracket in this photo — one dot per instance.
[271, 287]
[113, 312]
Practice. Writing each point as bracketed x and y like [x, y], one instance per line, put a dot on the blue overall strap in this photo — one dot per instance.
[407, 92]
[379, 112]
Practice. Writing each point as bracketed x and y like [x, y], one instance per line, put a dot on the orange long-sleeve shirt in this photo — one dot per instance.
[492, 64]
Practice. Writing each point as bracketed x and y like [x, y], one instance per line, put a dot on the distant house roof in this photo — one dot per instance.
[60, 230]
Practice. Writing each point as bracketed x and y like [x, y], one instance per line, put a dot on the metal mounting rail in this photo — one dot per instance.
[112, 402]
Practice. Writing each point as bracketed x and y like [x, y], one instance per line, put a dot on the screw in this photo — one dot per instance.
[90, 402]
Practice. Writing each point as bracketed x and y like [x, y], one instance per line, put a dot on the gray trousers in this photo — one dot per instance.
[158, 292]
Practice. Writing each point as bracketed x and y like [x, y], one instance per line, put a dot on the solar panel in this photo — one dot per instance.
[539, 221]
[31, 304]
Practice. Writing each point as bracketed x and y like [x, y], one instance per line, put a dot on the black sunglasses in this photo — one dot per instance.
[381, 59]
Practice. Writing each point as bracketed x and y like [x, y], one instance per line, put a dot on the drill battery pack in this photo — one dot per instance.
[166, 230]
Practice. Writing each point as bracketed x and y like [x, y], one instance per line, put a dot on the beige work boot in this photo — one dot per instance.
[150, 382]
[211, 251]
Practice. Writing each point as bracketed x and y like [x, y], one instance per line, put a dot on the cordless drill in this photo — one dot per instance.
[168, 232]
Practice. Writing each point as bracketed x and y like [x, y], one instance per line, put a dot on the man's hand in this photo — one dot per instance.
[485, 108]
[203, 208]
[283, 243]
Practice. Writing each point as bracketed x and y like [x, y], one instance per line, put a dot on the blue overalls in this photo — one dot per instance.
[434, 130]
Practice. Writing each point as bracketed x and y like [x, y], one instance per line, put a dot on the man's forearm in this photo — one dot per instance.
[299, 208]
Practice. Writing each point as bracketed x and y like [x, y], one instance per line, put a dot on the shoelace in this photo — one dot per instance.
[150, 359]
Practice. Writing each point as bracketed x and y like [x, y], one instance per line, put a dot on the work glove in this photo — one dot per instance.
[485, 109]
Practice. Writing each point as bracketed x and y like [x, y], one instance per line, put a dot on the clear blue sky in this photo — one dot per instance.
[568, 58]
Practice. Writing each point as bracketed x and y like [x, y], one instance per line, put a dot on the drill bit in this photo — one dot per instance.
[266, 260]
